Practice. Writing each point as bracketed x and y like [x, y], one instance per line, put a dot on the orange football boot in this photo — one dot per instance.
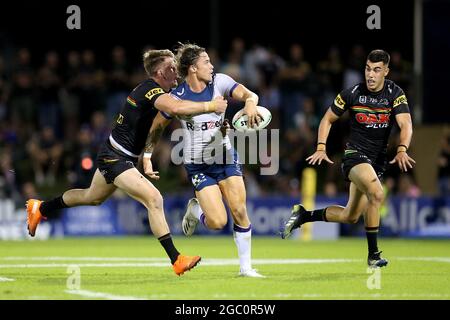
[34, 215]
[185, 263]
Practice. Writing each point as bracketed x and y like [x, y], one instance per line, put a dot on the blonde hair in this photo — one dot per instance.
[152, 58]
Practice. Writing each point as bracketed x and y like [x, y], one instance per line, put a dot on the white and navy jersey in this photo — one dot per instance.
[202, 132]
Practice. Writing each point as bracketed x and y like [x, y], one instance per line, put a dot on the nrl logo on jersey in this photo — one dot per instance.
[365, 99]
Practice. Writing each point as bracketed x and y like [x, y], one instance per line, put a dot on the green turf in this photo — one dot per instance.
[404, 278]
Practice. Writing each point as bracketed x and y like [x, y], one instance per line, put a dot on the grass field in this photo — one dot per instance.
[136, 268]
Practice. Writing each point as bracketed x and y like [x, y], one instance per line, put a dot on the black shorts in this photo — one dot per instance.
[112, 162]
[353, 157]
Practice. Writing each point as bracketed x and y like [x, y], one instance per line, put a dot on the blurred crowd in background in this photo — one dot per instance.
[56, 110]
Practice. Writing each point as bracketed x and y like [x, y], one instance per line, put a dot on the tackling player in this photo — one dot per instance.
[118, 156]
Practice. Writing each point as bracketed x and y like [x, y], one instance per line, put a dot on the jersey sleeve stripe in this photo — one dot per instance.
[166, 115]
[174, 96]
[132, 102]
[232, 89]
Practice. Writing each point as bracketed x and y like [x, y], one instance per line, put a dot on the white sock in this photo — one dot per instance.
[197, 211]
[243, 240]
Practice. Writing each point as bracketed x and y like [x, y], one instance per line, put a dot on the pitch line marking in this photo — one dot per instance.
[57, 258]
[165, 263]
[3, 279]
[101, 295]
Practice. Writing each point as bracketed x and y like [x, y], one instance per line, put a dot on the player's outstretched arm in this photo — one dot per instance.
[251, 99]
[176, 107]
[324, 130]
[402, 158]
[154, 134]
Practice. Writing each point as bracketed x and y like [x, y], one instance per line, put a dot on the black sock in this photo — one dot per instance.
[50, 208]
[372, 233]
[315, 215]
[172, 252]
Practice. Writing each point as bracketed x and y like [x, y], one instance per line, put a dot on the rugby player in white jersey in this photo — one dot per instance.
[211, 162]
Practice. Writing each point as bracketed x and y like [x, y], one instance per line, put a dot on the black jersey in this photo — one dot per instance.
[135, 118]
[371, 115]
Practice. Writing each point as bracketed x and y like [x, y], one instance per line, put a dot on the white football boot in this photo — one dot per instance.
[190, 221]
[250, 273]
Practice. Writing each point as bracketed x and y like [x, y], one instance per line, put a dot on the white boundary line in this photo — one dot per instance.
[3, 279]
[92, 265]
[158, 259]
[162, 262]
[56, 258]
[165, 263]
[101, 295]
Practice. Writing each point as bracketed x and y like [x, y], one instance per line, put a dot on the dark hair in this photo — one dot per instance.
[153, 58]
[379, 55]
[187, 55]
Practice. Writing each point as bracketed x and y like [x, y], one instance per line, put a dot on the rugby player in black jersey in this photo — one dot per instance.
[374, 105]
[118, 156]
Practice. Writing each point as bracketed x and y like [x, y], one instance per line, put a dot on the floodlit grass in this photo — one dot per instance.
[137, 268]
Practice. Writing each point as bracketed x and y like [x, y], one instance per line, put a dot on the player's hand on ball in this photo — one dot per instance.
[261, 119]
[254, 117]
[318, 157]
[148, 169]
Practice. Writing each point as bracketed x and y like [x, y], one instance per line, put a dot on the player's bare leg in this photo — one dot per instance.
[365, 196]
[206, 208]
[233, 190]
[96, 194]
[214, 213]
[365, 178]
[356, 205]
[141, 189]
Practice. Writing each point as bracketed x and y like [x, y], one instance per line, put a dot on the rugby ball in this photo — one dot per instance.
[240, 121]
